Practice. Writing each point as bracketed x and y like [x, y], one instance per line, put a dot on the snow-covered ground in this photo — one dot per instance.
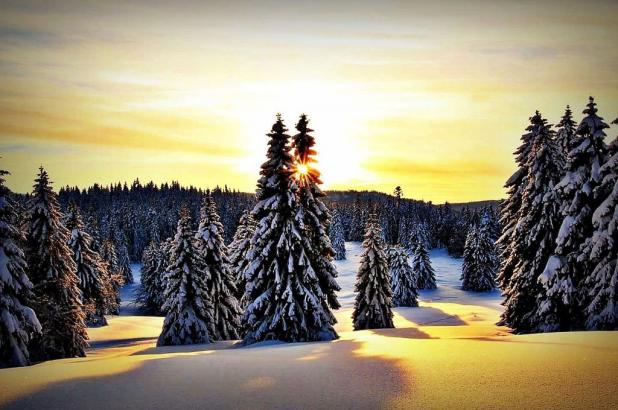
[447, 353]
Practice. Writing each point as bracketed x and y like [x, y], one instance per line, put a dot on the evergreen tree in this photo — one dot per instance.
[285, 301]
[165, 258]
[314, 217]
[220, 282]
[90, 269]
[150, 293]
[421, 265]
[188, 306]
[238, 250]
[563, 302]
[509, 212]
[92, 228]
[398, 194]
[479, 262]
[418, 234]
[601, 286]
[403, 279]
[57, 299]
[114, 279]
[122, 255]
[490, 223]
[373, 303]
[565, 136]
[535, 232]
[357, 227]
[18, 322]
[457, 238]
[337, 236]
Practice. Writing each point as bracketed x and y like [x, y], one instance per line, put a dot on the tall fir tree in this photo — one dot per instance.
[357, 226]
[150, 293]
[601, 285]
[221, 283]
[565, 136]
[18, 322]
[337, 236]
[396, 234]
[114, 280]
[92, 228]
[403, 278]
[188, 306]
[421, 265]
[509, 210]
[285, 301]
[373, 303]
[90, 269]
[57, 299]
[238, 251]
[313, 215]
[563, 303]
[536, 230]
[419, 233]
[479, 262]
[122, 255]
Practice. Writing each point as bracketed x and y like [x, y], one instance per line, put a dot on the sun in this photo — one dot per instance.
[302, 169]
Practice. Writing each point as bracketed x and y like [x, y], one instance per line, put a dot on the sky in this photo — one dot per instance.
[431, 96]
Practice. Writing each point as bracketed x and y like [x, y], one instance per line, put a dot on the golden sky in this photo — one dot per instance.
[432, 96]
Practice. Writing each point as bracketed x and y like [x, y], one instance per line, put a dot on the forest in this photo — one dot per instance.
[220, 264]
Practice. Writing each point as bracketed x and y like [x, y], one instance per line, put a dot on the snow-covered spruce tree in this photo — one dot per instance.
[90, 269]
[220, 282]
[92, 228]
[403, 279]
[457, 239]
[313, 216]
[337, 236]
[535, 232]
[565, 135]
[601, 285]
[419, 233]
[114, 279]
[509, 210]
[479, 262]
[563, 301]
[357, 226]
[488, 220]
[283, 294]
[57, 298]
[122, 253]
[18, 322]
[238, 251]
[165, 258]
[150, 295]
[421, 266]
[188, 307]
[373, 303]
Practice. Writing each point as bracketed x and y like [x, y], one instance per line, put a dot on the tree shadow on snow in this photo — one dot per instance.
[100, 344]
[206, 347]
[297, 375]
[430, 316]
[405, 333]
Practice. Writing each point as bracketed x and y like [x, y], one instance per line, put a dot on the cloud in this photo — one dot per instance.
[525, 52]
[21, 36]
[447, 168]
